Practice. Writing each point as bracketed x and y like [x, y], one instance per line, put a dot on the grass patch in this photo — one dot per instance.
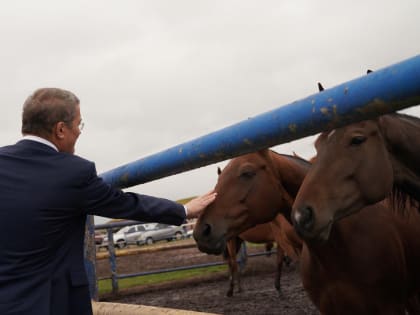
[105, 286]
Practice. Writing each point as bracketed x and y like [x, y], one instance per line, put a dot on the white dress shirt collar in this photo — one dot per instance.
[41, 140]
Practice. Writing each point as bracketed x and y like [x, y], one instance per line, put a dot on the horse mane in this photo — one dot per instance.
[400, 199]
[409, 118]
[295, 158]
[404, 193]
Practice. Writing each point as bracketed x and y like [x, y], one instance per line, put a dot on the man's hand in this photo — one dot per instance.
[197, 205]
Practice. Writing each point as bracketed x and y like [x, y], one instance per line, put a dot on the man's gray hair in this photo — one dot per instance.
[46, 107]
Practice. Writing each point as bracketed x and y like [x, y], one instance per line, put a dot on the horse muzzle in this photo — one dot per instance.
[303, 220]
[208, 242]
[306, 225]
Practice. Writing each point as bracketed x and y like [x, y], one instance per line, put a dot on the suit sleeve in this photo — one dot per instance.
[102, 199]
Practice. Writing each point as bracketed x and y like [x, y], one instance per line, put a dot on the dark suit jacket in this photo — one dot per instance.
[44, 199]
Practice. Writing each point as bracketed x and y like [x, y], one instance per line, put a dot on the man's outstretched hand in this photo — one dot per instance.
[197, 205]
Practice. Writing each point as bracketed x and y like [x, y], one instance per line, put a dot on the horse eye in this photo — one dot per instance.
[357, 140]
[247, 175]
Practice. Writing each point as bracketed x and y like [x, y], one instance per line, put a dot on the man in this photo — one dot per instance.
[46, 192]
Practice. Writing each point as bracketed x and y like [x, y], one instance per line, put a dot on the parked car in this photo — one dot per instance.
[188, 229]
[133, 233]
[119, 238]
[161, 232]
[189, 233]
[128, 234]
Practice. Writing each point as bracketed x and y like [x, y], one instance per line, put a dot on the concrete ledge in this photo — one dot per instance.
[107, 308]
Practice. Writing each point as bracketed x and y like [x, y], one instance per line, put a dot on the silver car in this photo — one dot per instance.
[135, 231]
[161, 232]
[128, 235]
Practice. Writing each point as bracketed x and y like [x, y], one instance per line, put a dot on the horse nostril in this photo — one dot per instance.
[207, 230]
[305, 219]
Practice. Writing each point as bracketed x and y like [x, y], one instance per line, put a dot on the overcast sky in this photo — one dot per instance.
[153, 74]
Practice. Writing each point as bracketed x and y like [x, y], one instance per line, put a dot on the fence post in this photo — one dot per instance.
[112, 261]
[90, 257]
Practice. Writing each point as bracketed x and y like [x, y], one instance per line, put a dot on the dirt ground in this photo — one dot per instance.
[208, 294]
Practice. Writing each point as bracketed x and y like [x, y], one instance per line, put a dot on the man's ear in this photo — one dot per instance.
[59, 130]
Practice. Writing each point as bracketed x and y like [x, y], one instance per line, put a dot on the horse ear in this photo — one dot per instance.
[219, 171]
[320, 87]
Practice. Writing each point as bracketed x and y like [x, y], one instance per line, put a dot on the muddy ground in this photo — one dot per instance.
[208, 294]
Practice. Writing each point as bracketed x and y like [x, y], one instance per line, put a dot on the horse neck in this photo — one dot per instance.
[402, 138]
[290, 172]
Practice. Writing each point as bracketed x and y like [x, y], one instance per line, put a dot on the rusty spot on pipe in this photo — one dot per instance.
[293, 128]
[324, 110]
[247, 141]
[124, 177]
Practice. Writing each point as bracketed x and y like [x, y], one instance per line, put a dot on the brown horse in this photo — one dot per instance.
[359, 165]
[230, 214]
[367, 266]
[267, 233]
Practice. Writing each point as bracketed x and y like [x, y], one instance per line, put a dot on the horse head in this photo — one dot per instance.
[248, 193]
[352, 169]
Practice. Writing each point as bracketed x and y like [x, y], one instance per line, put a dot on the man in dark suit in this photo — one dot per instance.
[46, 192]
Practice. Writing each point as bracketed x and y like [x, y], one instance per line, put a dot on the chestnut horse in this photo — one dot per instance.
[367, 266]
[359, 165]
[267, 233]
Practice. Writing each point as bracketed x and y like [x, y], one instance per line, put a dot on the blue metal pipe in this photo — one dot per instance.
[380, 92]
